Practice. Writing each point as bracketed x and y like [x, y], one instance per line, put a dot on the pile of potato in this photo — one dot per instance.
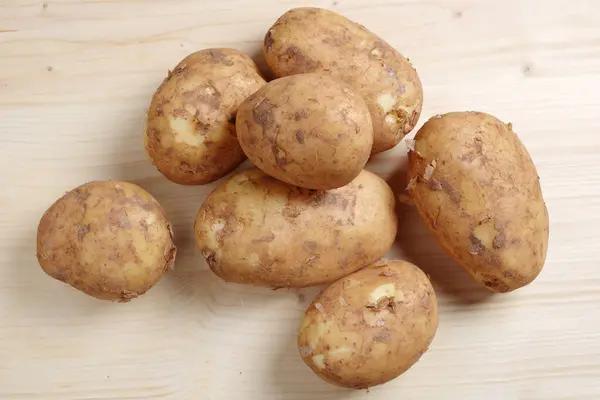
[308, 213]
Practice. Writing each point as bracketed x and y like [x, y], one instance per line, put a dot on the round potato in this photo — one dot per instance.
[190, 132]
[257, 230]
[109, 239]
[316, 40]
[478, 191]
[370, 326]
[308, 130]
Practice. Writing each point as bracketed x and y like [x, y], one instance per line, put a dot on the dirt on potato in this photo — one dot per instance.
[190, 131]
[256, 230]
[109, 239]
[308, 130]
[478, 191]
[370, 326]
[305, 40]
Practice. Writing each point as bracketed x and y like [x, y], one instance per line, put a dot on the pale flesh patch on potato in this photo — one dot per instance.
[318, 331]
[376, 53]
[150, 219]
[387, 102]
[387, 290]
[340, 353]
[254, 260]
[218, 225]
[390, 120]
[486, 235]
[319, 361]
[185, 132]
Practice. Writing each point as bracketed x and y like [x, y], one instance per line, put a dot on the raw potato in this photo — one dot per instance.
[190, 133]
[371, 326]
[109, 239]
[477, 189]
[308, 130]
[316, 40]
[257, 230]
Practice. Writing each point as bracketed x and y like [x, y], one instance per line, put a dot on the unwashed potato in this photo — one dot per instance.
[109, 239]
[316, 40]
[477, 189]
[370, 326]
[190, 131]
[308, 130]
[257, 230]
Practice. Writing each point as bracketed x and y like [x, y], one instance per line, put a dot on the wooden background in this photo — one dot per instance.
[75, 80]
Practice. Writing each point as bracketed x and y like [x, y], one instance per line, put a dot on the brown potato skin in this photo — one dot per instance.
[317, 40]
[308, 130]
[109, 239]
[256, 230]
[357, 336]
[190, 130]
[482, 200]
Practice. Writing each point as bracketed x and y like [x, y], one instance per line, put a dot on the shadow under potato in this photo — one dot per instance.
[420, 247]
[258, 56]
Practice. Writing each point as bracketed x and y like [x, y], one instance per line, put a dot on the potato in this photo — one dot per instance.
[316, 40]
[370, 326]
[477, 189]
[109, 239]
[308, 130]
[257, 230]
[190, 132]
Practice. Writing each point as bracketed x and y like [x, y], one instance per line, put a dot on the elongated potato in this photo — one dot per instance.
[308, 130]
[477, 189]
[190, 132]
[317, 40]
[370, 326]
[109, 239]
[257, 230]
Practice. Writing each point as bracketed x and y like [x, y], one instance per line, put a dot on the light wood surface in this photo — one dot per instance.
[75, 80]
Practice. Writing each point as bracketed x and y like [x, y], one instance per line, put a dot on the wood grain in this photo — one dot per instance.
[75, 80]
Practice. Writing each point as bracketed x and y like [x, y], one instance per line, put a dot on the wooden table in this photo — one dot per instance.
[75, 80]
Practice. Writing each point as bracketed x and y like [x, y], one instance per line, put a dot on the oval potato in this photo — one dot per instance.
[370, 326]
[190, 130]
[317, 40]
[109, 239]
[257, 230]
[308, 130]
[477, 189]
